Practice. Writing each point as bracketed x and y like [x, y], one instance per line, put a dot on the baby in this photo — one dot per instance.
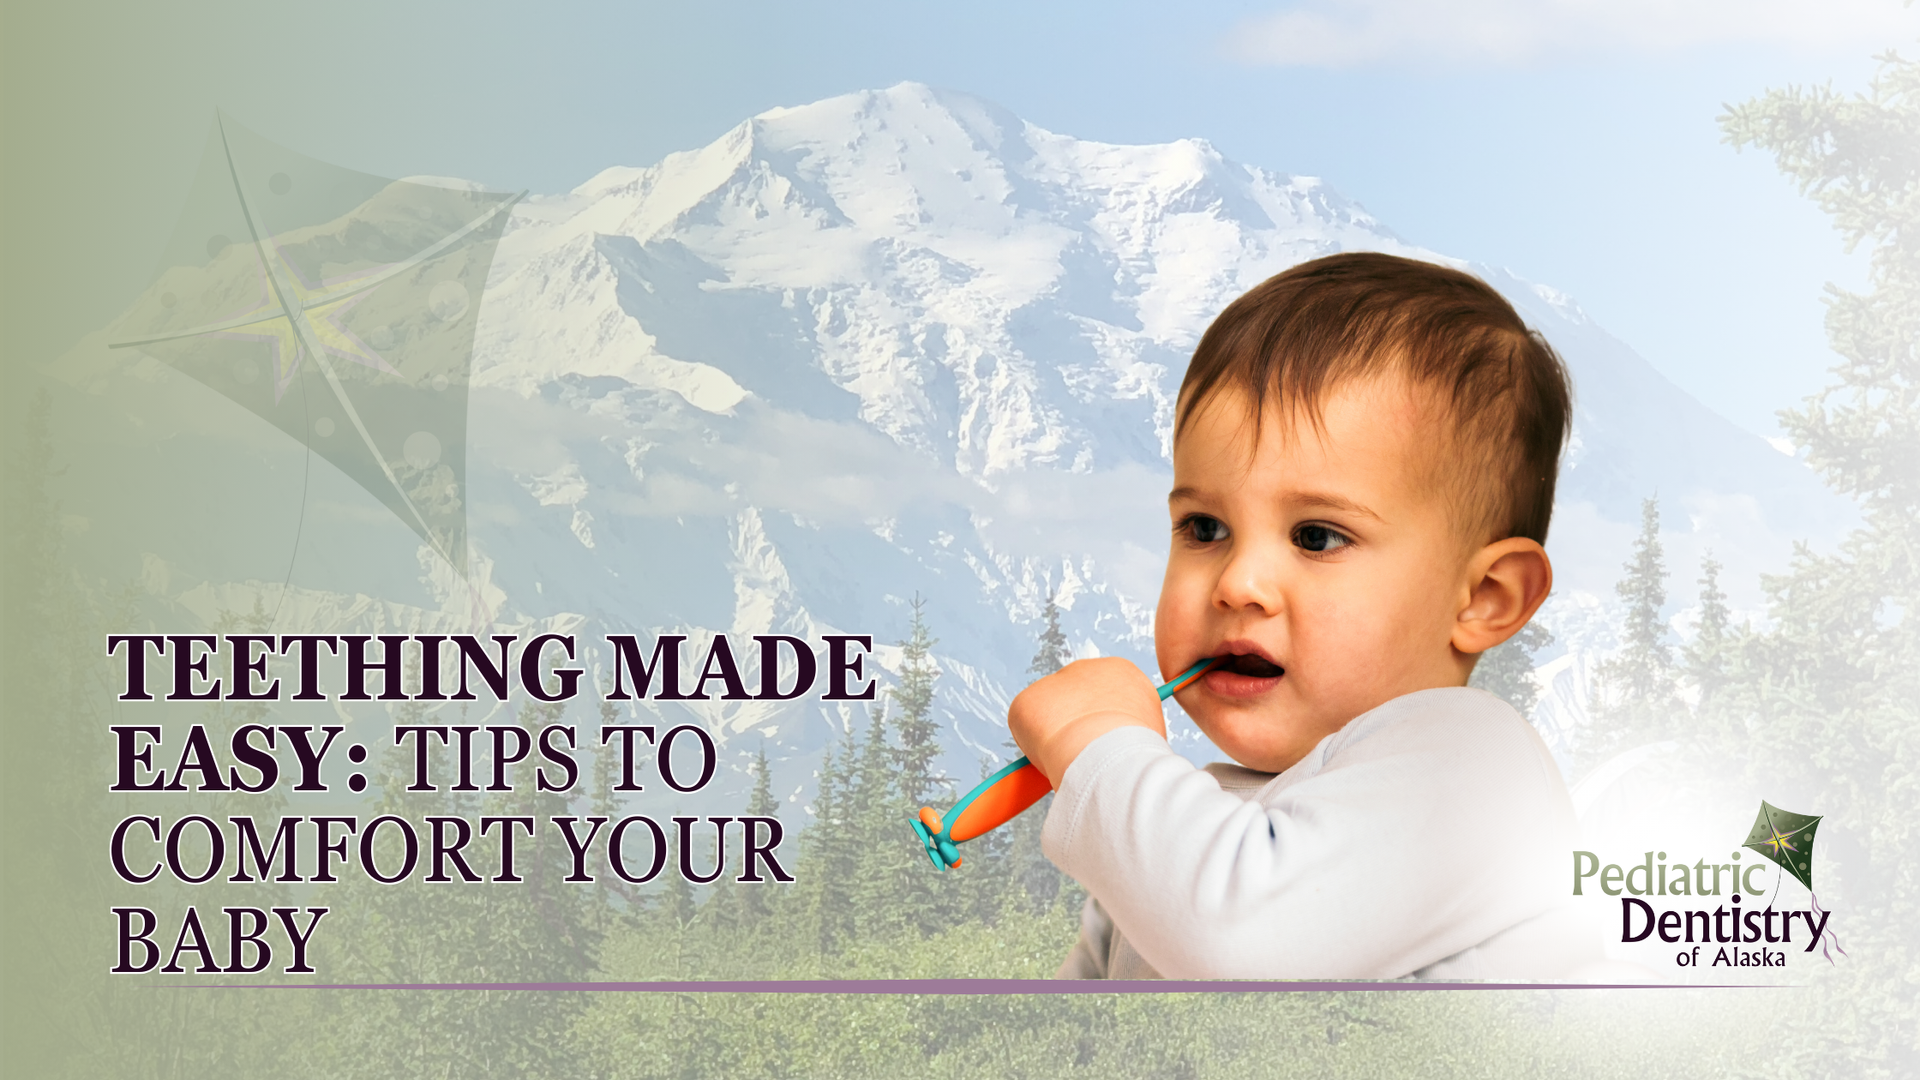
[1364, 458]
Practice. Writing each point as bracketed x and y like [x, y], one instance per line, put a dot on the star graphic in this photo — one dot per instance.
[273, 322]
[1774, 835]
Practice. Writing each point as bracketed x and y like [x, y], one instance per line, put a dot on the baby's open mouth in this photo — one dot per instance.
[1254, 666]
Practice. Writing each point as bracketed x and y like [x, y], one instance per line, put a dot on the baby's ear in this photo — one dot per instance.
[1507, 581]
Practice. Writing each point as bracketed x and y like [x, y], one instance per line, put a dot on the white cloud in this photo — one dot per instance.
[1356, 33]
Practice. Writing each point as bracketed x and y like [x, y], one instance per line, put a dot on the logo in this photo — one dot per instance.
[1785, 838]
[1750, 936]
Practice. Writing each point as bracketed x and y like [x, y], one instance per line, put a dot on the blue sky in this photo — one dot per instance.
[1572, 142]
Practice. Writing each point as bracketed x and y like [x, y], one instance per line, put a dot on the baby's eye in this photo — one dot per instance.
[1203, 529]
[1319, 538]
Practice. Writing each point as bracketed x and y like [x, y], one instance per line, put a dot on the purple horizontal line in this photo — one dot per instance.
[954, 986]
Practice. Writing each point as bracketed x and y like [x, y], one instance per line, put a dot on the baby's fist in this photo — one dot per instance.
[1054, 719]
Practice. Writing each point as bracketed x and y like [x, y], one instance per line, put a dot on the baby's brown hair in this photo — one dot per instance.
[1307, 330]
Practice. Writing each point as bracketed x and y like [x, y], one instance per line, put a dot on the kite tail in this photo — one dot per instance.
[1825, 935]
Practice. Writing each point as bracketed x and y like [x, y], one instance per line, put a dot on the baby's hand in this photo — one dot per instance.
[1055, 718]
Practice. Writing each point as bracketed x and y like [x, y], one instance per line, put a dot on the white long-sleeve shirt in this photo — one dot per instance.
[1430, 836]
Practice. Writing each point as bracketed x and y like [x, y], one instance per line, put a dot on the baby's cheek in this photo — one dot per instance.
[1177, 622]
[1335, 657]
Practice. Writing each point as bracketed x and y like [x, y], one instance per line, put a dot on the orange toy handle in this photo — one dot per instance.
[999, 799]
[1000, 803]
[1002, 797]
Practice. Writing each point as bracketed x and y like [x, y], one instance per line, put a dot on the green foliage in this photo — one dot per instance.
[760, 803]
[543, 929]
[1635, 699]
[1641, 673]
[1570, 1034]
[1029, 879]
[890, 890]
[1708, 654]
[1825, 704]
[65, 1015]
[917, 733]
[1506, 670]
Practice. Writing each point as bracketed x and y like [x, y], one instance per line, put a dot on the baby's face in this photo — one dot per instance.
[1323, 564]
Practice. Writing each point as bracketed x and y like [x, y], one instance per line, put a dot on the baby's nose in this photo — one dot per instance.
[1250, 579]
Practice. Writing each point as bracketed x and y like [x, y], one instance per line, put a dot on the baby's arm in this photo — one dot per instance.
[1424, 841]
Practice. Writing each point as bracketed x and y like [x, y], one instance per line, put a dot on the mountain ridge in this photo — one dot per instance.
[902, 343]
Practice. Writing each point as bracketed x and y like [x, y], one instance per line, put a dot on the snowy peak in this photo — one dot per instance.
[902, 342]
[931, 169]
[964, 280]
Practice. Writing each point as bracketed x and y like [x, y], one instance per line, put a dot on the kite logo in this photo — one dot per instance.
[339, 307]
[1786, 839]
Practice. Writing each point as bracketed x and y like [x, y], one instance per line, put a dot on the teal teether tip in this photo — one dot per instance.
[926, 841]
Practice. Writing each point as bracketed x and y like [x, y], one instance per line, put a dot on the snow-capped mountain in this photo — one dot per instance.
[903, 343]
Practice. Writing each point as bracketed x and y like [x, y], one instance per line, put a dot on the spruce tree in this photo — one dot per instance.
[981, 884]
[918, 734]
[1826, 702]
[760, 803]
[887, 893]
[829, 863]
[734, 904]
[69, 1016]
[538, 929]
[622, 900]
[1634, 700]
[1642, 671]
[1029, 880]
[897, 890]
[1053, 653]
[674, 907]
[1706, 654]
[1506, 670]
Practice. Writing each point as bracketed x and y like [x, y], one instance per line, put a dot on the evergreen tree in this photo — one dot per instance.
[919, 735]
[760, 803]
[1029, 879]
[65, 1014]
[561, 918]
[1506, 670]
[829, 864]
[1053, 653]
[730, 903]
[892, 779]
[539, 929]
[674, 908]
[890, 892]
[984, 879]
[1642, 671]
[1634, 698]
[624, 900]
[1706, 655]
[1826, 703]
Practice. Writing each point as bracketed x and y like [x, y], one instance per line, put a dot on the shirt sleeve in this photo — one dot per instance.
[1424, 828]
